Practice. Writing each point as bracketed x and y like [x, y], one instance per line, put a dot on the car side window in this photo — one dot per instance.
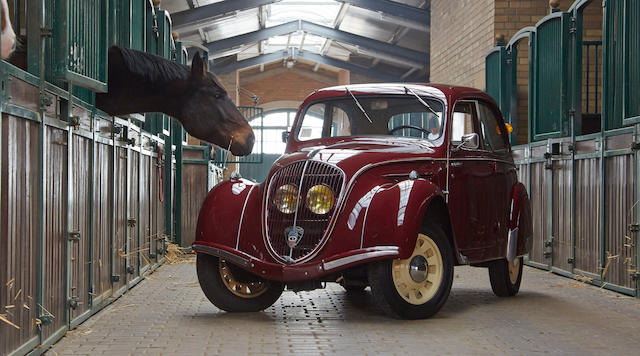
[462, 124]
[491, 131]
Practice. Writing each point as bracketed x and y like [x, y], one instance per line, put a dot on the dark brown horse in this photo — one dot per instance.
[142, 82]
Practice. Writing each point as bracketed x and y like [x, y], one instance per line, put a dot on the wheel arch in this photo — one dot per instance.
[437, 212]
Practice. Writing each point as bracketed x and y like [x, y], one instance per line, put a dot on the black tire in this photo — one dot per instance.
[389, 298]
[501, 280]
[217, 289]
[353, 289]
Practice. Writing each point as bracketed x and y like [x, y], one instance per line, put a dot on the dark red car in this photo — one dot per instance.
[382, 185]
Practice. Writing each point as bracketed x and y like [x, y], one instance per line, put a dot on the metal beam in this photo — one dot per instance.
[247, 63]
[216, 9]
[251, 37]
[318, 59]
[416, 58]
[348, 66]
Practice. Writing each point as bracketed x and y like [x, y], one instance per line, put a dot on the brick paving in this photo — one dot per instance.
[168, 314]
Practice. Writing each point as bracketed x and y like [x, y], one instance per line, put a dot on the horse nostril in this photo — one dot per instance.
[251, 139]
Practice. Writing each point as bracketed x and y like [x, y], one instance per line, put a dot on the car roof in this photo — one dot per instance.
[441, 91]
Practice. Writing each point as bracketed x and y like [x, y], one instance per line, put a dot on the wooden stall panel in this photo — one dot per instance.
[55, 239]
[102, 220]
[194, 190]
[121, 214]
[620, 249]
[588, 190]
[19, 231]
[81, 220]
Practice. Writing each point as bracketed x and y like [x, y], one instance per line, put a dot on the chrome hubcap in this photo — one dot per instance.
[418, 269]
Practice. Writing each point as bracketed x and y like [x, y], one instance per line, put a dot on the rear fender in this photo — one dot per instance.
[395, 214]
[520, 238]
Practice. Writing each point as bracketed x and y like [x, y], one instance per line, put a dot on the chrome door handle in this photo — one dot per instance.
[456, 164]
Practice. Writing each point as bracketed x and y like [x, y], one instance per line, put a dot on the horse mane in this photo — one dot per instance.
[152, 68]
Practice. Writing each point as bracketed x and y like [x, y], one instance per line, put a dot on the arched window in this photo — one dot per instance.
[275, 122]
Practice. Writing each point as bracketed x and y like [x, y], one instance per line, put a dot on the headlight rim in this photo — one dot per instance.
[296, 199]
[332, 194]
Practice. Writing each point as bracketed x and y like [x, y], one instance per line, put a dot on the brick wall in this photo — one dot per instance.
[462, 32]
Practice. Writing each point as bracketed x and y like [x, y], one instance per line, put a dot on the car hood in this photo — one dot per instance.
[353, 154]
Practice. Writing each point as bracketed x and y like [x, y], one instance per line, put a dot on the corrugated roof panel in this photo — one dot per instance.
[243, 22]
[320, 12]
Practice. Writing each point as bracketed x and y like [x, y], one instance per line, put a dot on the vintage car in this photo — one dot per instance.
[382, 185]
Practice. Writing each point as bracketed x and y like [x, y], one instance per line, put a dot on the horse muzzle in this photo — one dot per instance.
[243, 147]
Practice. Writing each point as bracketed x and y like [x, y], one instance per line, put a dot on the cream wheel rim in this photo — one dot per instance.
[514, 270]
[240, 289]
[417, 286]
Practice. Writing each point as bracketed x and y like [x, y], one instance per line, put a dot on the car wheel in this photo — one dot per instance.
[233, 289]
[505, 277]
[353, 289]
[416, 287]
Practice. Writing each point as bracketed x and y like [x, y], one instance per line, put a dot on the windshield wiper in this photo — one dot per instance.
[409, 91]
[358, 103]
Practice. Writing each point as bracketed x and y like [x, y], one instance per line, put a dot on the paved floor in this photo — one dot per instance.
[168, 314]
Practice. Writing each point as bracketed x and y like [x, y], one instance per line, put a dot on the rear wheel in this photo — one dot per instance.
[233, 289]
[416, 287]
[505, 277]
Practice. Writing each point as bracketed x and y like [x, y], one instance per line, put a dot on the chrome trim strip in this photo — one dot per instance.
[512, 244]
[242, 216]
[222, 254]
[378, 252]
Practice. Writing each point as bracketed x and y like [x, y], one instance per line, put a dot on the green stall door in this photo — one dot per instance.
[550, 78]
[79, 42]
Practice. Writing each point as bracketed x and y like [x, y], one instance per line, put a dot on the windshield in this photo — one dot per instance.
[368, 115]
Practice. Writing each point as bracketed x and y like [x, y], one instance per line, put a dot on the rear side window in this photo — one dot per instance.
[491, 131]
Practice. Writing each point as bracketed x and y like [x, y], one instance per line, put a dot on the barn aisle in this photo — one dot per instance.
[168, 314]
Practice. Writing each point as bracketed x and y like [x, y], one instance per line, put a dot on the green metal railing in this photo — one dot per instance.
[79, 31]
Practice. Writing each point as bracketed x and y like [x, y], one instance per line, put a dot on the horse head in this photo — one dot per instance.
[209, 114]
[8, 36]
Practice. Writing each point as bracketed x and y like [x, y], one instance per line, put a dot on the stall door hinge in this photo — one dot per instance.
[634, 227]
[635, 276]
[571, 261]
[131, 222]
[115, 278]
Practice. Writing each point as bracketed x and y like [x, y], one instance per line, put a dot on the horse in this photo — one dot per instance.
[141, 82]
[8, 36]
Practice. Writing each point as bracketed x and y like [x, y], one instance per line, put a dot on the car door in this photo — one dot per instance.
[471, 185]
[494, 136]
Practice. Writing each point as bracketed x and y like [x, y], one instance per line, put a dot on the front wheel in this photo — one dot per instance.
[233, 289]
[505, 277]
[416, 287]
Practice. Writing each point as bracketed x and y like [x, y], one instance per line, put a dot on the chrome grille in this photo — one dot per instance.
[304, 175]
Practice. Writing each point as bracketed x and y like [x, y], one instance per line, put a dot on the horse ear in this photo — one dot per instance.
[198, 67]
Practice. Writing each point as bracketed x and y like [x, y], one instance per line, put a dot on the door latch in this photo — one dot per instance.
[74, 236]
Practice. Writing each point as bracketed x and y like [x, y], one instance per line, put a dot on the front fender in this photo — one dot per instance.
[222, 212]
[395, 214]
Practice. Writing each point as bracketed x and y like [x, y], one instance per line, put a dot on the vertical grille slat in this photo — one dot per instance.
[315, 226]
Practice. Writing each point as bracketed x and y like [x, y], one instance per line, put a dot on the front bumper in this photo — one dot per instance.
[297, 272]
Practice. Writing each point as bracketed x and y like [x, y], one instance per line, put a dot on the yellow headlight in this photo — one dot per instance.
[286, 198]
[320, 199]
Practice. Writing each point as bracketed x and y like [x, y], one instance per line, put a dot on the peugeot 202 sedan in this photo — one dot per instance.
[381, 185]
